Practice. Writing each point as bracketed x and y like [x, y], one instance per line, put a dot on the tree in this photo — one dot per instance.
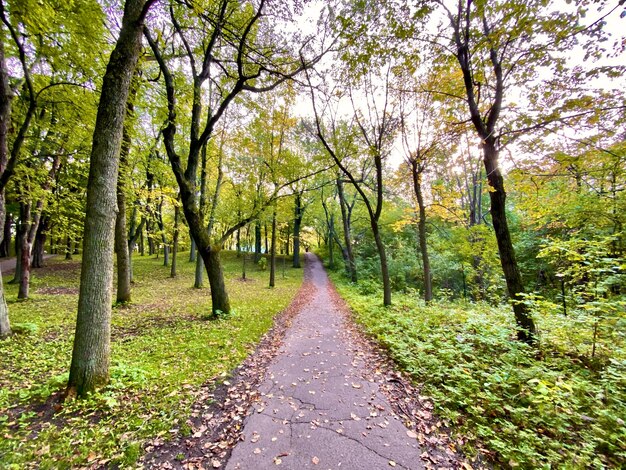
[422, 137]
[376, 126]
[233, 31]
[91, 352]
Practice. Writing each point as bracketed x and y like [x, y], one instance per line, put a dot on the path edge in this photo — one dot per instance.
[404, 396]
[218, 426]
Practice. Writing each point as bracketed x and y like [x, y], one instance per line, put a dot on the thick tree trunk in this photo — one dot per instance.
[347, 231]
[515, 287]
[297, 223]
[5, 325]
[91, 353]
[219, 296]
[199, 276]
[273, 252]
[5, 122]
[421, 228]
[384, 269]
[122, 251]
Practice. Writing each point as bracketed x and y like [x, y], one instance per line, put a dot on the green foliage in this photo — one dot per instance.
[161, 352]
[25, 328]
[529, 408]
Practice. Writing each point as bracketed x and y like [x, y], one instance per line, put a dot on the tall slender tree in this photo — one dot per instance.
[91, 353]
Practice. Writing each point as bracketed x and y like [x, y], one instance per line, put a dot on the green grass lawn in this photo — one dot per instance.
[163, 348]
[550, 407]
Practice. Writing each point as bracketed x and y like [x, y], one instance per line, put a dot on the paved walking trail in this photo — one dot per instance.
[317, 409]
[7, 265]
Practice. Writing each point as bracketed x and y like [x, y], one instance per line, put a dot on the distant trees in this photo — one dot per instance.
[231, 31]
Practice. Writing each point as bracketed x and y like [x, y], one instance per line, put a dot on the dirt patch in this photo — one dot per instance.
[121, 333]
[223, 403]
[43, 414]
[57, 290]
[415, 409]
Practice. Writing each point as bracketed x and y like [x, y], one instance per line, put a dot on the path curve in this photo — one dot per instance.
[317, 409]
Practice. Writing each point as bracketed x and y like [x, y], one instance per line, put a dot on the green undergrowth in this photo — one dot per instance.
[163, 349]
[546, 407]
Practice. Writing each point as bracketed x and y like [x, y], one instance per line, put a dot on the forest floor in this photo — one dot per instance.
[315, 392]
[166, 352]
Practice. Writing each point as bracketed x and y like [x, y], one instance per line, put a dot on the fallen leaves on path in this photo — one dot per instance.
[221, 405]
[415, 410]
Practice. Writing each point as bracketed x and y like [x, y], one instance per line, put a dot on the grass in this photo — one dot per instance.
[528, 408]
[162, 350]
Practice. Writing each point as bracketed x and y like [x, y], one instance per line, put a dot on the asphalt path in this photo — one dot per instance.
[7, 265]
[317, 409]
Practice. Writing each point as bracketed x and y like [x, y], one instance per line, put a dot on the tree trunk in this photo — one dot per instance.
[5, 326]
[199, 276]
[331, 241]
[297, 223]
[238, 242]
[121, 247]
[91, 353]
[219, 296]
[384, 270]
[515, 287]
[175, 241]
[421, 228]
[273, 252]
[257, 242]
[122, 251]
[267, 248]
[134, 234]
[68, 249]
[192, 249]
[5, 123]
[5, 246]
[40, 244]
[347, 230]
[19, 235]
[26, 247]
